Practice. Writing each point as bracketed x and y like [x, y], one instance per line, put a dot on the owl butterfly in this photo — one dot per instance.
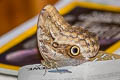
[62, 44]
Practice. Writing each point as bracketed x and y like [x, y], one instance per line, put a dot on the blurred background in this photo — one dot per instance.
[15, 12]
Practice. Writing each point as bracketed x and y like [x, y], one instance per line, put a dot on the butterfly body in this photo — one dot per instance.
[62, 44]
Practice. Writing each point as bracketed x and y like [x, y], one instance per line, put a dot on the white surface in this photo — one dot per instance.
[38, 74]
[5, 77]
[100, 70]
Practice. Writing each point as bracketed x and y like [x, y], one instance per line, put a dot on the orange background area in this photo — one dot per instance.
[15, 12]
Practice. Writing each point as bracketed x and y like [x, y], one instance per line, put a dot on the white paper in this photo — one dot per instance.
[100, 70]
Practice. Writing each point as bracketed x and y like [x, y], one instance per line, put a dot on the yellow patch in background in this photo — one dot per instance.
[115, 48]
[9, 67]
